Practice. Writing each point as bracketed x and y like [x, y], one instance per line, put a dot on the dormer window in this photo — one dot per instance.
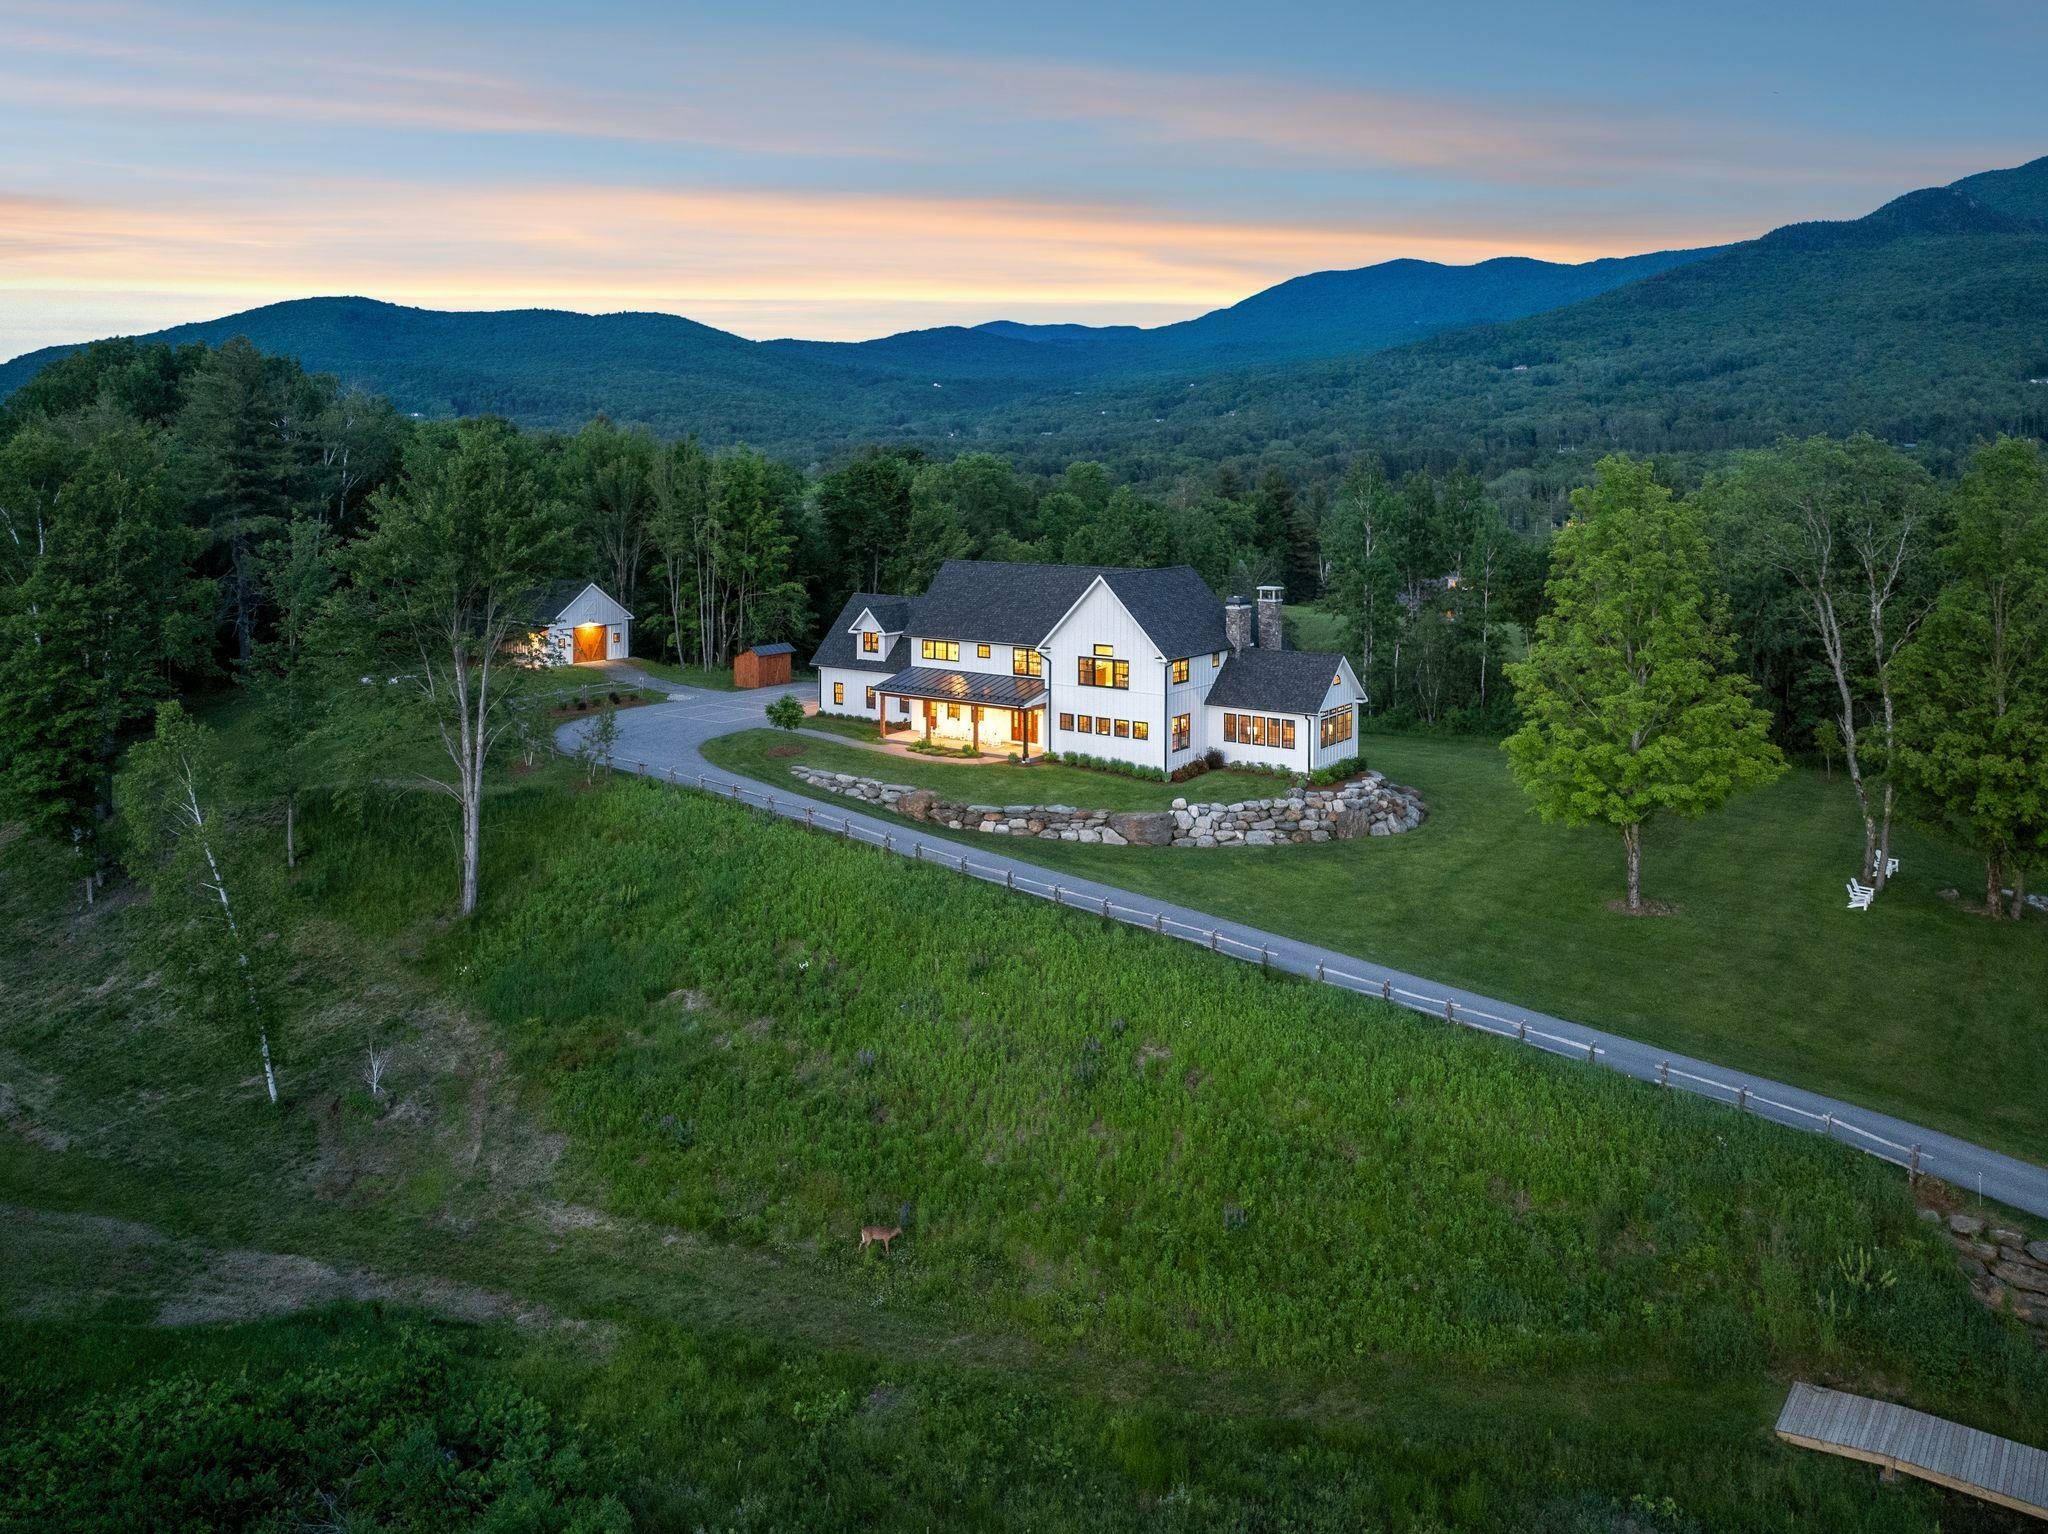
[870, 642]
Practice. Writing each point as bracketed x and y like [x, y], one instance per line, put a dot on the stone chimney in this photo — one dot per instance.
[1271, 636]
[1237, 623]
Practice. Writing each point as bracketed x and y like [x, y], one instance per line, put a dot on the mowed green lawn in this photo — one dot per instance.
[1916, 1007]
[991, 782]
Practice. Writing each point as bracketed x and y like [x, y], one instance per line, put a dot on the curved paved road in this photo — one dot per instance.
[663, 740]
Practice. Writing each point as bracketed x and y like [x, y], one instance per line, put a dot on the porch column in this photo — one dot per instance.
[974, 713]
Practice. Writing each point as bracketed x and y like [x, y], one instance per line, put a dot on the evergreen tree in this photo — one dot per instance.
[241, 471]
[1629, 704]
[97, 609]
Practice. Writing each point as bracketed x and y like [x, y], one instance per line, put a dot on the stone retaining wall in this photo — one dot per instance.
[1368, 805]
[2007, 1271]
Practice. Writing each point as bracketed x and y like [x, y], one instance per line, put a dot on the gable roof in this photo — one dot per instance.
[893, 613]
[839, 647]
[1021, 604]
[1000, 602]
[547, 603]
[1174, 606]
[1286, 681]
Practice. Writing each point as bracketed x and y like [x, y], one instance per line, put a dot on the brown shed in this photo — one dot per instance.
[763, 666]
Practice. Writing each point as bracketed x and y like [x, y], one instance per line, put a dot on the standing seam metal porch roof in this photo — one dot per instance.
[991, 689]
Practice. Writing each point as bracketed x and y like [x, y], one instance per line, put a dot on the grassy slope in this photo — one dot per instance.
[1471, 1289]
[996, 782]
[1916, 1007]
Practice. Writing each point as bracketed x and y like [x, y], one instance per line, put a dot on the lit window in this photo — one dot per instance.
[952, 711]
[1101, 724]
[1083, 725]
[1216, 659]
[1105, 649]
[1287, 734]
[1025, 662]
[871, 697]
[1123, 728]
[1230, 728]
[1140, 730]
[1103, 673]
[1180, 671]
[1183, 731]
[838, 692]
[870, 641]
[981, 652]
[1066, 721]
[939, 649]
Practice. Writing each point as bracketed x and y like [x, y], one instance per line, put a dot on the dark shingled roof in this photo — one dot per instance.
[991, 689]
[999, 602]
[774, 649]
[545, 603]
[1282, 681]
[840, 648]
[1014, 603]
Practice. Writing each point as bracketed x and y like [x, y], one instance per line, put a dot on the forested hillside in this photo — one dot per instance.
[1925, 322]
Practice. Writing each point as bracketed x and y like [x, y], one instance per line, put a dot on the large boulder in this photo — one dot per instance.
[1144, 828]
[918, 804]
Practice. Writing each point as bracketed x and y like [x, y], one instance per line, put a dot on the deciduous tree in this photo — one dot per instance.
[1974, 683]
[1629, 704]
[439, 605]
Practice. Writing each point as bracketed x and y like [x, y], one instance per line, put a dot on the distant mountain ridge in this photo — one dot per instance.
[1322, 314]
[1926, 318]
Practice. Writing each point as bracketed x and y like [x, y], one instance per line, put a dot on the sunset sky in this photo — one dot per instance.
[840, 170]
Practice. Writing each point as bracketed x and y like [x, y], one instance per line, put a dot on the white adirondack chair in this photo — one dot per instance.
[1860, 896]
[1891, 866]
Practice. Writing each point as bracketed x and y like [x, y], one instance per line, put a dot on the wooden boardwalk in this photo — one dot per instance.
[1899, 1438]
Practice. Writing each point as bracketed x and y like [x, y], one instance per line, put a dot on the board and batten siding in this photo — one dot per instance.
[1099, 618]
[1186, 698]
[855, 685]
[591, 605]
[1296, 760]
[1344, 691]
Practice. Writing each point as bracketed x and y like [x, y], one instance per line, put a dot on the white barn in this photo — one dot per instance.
[575, 622]
[1140, 666]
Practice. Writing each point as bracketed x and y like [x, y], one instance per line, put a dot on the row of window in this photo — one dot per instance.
[1097, 724]
[1259, 730]
[1337, 726]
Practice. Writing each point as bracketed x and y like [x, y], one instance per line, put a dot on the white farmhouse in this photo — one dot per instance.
[574, 622]
[1141, 666]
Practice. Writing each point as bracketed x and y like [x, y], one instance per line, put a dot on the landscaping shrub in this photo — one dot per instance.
[385, 1439]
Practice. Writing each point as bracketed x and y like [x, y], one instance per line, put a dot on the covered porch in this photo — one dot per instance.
[972, 710]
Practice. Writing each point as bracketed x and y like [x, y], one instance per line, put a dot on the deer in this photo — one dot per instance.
[869, 1234]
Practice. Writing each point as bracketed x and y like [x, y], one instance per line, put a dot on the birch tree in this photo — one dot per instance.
[173, 802]
[1852, 525]
[1358, 542]
[679, 496]
[438, 614]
